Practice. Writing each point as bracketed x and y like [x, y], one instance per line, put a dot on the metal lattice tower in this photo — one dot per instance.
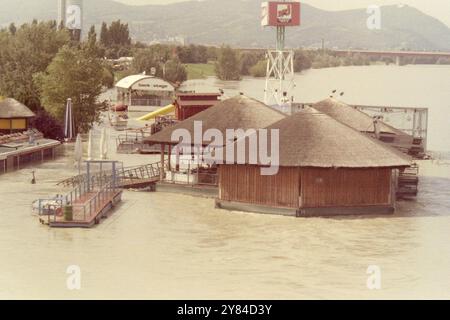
[280, 72]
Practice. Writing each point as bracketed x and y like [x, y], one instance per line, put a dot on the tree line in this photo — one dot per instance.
[41, 66]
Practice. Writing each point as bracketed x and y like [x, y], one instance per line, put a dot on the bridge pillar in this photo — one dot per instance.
[398, 60]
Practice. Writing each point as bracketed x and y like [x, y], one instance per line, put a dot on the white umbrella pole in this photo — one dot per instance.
[90, 145]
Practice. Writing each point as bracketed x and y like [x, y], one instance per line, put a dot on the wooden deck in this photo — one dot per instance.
[408, 183]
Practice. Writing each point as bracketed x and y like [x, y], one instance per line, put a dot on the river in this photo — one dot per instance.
[168, 246]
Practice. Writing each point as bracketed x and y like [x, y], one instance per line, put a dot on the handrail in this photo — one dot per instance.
[92, 206]
[120, 173]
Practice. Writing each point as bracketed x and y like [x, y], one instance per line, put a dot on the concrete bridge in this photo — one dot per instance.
[397, 55]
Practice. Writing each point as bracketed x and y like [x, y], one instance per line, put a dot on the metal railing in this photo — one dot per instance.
[153, 102]
[96, 203]
[101, 195]
[137, 136]
[147, 171]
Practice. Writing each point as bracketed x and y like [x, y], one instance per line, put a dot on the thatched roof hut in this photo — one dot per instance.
[240, 112]
[314, 139]
[325, 168]
[376, 128]
[353, 117]
[13, 109]
[14, 116]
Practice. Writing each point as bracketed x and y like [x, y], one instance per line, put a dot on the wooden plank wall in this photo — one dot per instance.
[345, 187]
[246, 184]
[319, 187]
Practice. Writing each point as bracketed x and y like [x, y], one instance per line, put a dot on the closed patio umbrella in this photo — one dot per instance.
[69, 133]
[90, 146]
[104, 145]
[79, 152]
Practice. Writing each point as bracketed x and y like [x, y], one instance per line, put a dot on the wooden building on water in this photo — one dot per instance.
[19, 143]
[408, 180]
[325, 168]
[376, 128]
[14, 116]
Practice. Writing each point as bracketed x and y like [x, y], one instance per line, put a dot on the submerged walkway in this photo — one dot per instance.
[128, 178]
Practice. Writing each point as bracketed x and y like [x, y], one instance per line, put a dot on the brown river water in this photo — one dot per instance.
[170, 246]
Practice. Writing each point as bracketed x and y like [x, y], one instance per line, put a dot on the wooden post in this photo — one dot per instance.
[198, 165]
[177, 161]
[170, 157]
[161, 172]
[42, 155]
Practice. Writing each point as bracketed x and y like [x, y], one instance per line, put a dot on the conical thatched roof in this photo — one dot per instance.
[313, 139]
[240, 112]
[352, 117]
[11, 108]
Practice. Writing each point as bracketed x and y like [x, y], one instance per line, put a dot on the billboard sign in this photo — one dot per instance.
[276, 13]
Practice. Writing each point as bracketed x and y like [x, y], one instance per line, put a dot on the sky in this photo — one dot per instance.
[437, 8]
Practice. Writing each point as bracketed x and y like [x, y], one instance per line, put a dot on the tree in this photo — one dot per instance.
[145, 61]
[76, 74]
[115, 39]
[119, 34]
[175, 71]
[301, 61]
[248, 60]
[47, 125]
[28, 51]
[92, 36]
[259, 70]
[227, 66]
[104, 35]
[91, 43]
[12, 29]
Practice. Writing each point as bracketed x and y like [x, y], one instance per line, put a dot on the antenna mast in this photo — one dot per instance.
[280, 62]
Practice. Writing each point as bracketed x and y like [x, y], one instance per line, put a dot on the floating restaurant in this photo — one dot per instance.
[325, 168]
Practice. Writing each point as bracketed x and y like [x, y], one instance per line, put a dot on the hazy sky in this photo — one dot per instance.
[437, 8]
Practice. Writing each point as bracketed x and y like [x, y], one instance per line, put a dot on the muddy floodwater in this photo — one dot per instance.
[172, 246]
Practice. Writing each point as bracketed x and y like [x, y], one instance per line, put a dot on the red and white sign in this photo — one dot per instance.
[276, 13]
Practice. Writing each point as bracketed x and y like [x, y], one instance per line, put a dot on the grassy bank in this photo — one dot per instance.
[200, 70]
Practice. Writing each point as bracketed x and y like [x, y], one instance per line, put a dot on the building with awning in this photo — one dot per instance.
[142, 92]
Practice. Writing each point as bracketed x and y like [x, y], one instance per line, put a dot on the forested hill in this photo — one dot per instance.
[236, 22]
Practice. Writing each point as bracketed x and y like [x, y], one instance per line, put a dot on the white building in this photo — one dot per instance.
[144, 93]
